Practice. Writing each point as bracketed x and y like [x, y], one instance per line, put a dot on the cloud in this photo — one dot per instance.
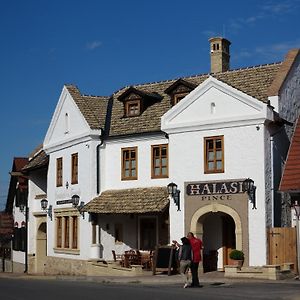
[280, 8]
[272, 52]
[93, 45]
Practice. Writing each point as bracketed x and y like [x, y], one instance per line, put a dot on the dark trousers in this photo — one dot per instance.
[194, 271]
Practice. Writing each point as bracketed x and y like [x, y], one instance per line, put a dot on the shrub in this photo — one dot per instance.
[236, 254]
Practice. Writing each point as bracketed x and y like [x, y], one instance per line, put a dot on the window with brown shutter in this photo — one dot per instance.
[59, 232]
[74, 232]
[74, 170]
[59, 171]
[67, 232]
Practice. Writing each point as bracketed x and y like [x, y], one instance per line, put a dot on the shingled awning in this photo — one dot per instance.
[129, 201]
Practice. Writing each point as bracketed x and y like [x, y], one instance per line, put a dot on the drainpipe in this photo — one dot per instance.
[272, 178]
[26, 234]
[98, 161]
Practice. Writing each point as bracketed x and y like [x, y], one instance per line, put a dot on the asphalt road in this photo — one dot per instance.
[19, 289]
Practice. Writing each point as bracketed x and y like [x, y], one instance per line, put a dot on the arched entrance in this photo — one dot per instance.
[219, 226]
[41, 247]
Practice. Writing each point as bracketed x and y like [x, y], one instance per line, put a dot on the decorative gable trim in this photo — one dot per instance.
[49, 144]
[169, 125]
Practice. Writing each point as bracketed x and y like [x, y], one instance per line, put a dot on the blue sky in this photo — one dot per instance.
[101, 46]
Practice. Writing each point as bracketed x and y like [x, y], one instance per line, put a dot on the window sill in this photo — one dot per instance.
[67, 251]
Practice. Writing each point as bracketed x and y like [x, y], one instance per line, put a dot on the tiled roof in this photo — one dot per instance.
[253, 81]
[93, 108]
[19, 163]
[283, 72]
[39, 160]
[129, 201]
[290, 181]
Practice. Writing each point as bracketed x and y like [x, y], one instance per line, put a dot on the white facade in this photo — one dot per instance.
[213, 108]
[69, 133]
[216, 109]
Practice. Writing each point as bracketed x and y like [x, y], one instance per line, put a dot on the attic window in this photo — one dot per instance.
[133, 108]
[66, 123]
[177, 97]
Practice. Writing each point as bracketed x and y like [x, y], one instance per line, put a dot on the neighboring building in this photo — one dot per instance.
[207, 133]
[16, 205]
[36, 171]
[290, 182]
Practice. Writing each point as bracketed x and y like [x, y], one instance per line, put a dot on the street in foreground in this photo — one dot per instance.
[19, 289]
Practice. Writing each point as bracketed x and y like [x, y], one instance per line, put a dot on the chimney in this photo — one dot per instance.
[219, 54]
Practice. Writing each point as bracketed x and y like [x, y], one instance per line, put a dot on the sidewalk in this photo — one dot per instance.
[212, 278]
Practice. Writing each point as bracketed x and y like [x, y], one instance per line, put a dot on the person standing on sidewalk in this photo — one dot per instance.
[185, 256]
[196, 245]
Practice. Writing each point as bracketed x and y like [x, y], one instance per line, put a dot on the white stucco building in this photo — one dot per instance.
[206, 133]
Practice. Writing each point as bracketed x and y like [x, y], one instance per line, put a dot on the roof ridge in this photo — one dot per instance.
[197, 75]
[94, 96]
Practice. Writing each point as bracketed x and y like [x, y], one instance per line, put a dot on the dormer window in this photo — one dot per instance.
[133, 108]
[178, 97]
[178, 90]
[136, 101]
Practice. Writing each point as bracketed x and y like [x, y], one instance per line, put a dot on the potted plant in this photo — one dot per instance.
[238, 257]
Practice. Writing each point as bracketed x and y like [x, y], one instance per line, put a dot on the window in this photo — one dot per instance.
[67, 232]
[118, 233]
[132, 108]
[74, 170]
[159, 161]
[129, 163]
[178, 97]
[59, 232]
[74, 232]
[66, 123]
[214, 154]
[59, 165]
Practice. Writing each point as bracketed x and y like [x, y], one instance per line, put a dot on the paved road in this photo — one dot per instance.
[19, 289]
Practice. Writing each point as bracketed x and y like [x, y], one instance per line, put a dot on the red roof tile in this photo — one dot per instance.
[290, 181]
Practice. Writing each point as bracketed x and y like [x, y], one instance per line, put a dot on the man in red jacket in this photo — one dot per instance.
[196, 249]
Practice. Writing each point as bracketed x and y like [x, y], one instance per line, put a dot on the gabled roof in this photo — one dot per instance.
[179, 82]
[18, 164]
[129, 201]
[253, 81]
[140, 93]
[93, 108]
[39, 160]
[290, 181]
[283, 72]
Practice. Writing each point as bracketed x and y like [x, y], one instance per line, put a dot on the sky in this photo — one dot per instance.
[102, 46]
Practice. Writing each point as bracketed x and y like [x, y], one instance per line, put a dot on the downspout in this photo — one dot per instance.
[98, 162]
[272, 177]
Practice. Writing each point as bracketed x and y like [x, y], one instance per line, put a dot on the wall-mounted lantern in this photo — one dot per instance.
[250, 188]
[44, 206]
[75, 203]
[174, 193]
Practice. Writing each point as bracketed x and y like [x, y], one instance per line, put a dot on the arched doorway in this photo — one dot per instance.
[41, 247]
[219, 226]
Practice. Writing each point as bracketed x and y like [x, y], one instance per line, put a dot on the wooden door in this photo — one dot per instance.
[282, 246]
